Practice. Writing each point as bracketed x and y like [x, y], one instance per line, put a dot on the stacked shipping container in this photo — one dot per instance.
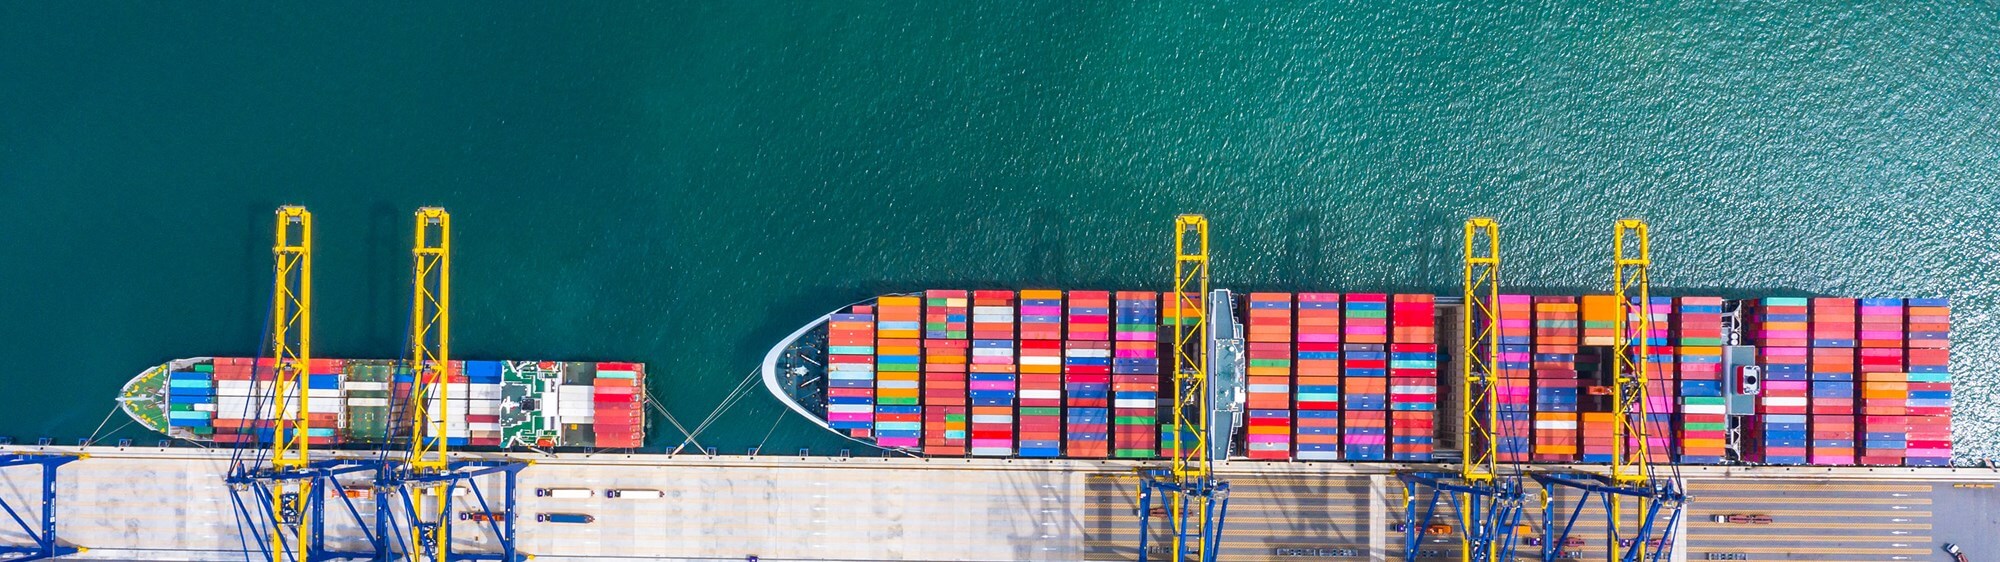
[1833, 423]
[1927, 335]
[1135, 375]
[1269, 377]
[850, 393]
[993, 386]
[619, 395]
[1703, 416]
[1413, 376]
[1365, 376]
[946, 327]
[1087, 376]
[1175, 313]
[1514, 389]
[1558, 330]
[1778, 324]
[1318, 381]
[1885, 425]
[898, 362]
[1040, 415]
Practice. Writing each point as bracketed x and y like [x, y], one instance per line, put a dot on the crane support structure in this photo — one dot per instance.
[430, 360]
[1196, 503]
[430, 339]
[1632, 479]
[42, 534]
[1190, 364]
[417, 495]
[1487, 505]
[291, 355]
[1480, 338]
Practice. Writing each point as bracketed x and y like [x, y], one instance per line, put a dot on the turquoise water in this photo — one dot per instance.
[683, 183]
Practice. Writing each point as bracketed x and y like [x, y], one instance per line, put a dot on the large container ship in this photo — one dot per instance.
[1357, 377]
[354, 403]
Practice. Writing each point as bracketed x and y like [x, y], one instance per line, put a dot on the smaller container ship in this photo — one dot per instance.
[357, 403]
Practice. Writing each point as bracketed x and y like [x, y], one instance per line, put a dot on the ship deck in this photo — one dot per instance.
[171, 504]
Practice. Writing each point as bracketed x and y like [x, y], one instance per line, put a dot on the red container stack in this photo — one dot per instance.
[1269, 380]
[1834, 421]
[1885, 384]
[1413, 377]
[947, 323]
[619, 399]
[1317, 435]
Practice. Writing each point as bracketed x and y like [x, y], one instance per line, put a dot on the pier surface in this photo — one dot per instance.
[172, 504]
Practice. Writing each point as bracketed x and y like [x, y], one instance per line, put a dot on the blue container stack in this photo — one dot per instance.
[190, 399]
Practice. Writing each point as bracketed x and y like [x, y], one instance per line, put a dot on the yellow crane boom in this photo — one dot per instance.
[291, 358]
[430, 360]
[1479, 332]
[1631, 365]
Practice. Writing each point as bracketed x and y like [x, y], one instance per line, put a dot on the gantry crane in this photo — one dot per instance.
[423, 483]
[42, 536]
[1632, 477]
[288, 484]
[1196, 502]
[1487, 504]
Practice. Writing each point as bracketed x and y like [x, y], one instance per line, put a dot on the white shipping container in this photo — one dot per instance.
[384, 402]
[896, 384]
[1042, 394]
[992, 418]
[1040, 360]
[368, 386]
[204, 407]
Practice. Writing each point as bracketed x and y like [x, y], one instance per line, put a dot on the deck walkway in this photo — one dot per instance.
[171, 504]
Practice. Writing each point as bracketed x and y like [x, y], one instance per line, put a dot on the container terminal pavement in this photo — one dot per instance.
[142, 503]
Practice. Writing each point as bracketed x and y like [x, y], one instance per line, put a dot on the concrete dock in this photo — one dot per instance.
[172, 504]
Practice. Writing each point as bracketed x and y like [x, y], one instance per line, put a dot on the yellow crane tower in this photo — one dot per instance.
[291, 356]
[1487, 506]
[1633, 477]
[426, 485]
[1190, 361]
[1196, 502]
[430, 359]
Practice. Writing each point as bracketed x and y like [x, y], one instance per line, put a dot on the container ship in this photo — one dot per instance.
[353, 402]
[1355, 377]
